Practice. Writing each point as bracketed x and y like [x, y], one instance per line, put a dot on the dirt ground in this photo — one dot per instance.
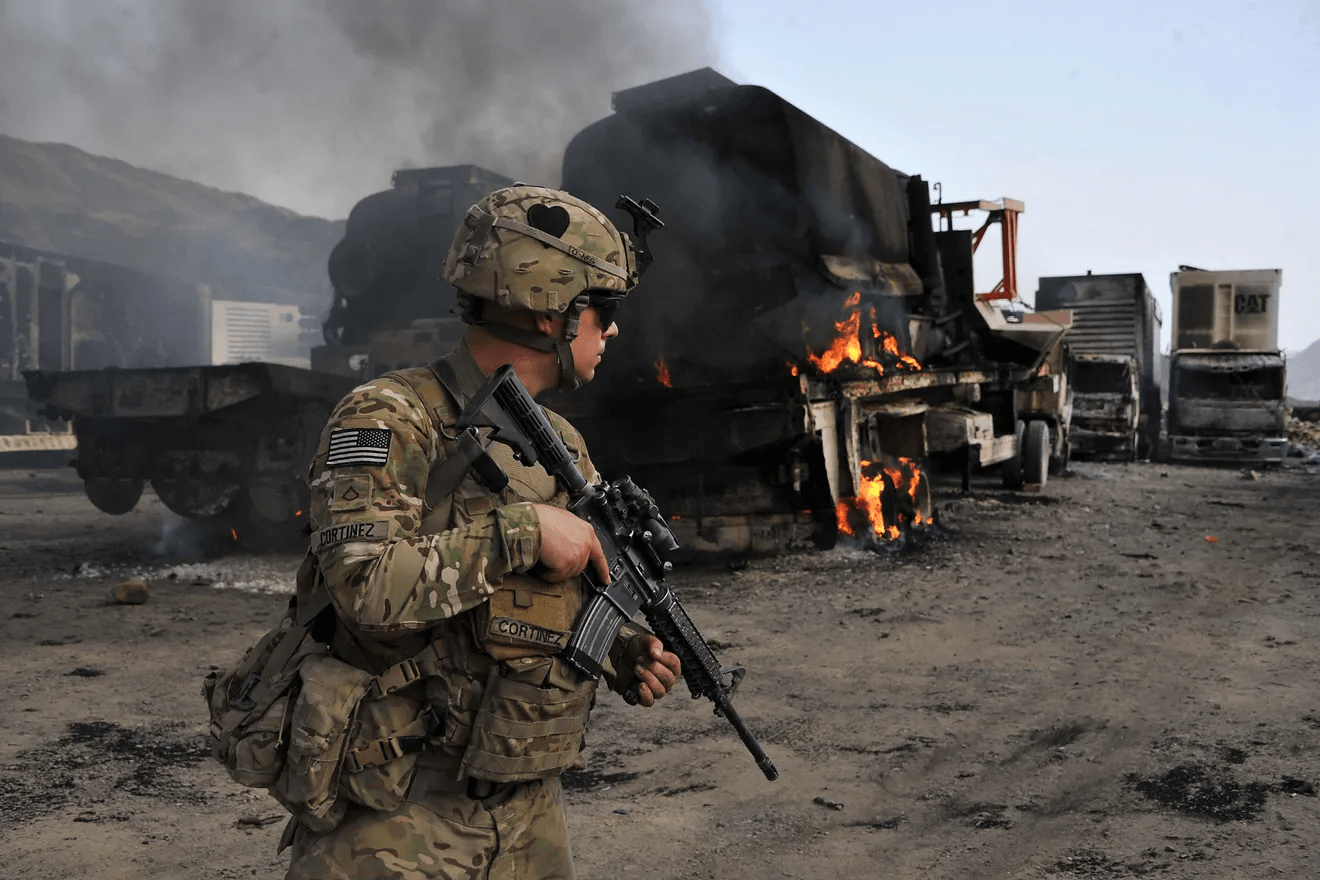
[1114, 677]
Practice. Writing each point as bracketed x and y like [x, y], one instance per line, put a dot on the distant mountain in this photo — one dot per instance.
[58, 198]
[1304, 373]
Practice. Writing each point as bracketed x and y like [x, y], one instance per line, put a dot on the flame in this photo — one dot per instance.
[297, 513]
[847, 345]
[233, 534]
[890, 345]
[793, 368]
[662, 372]
[868, 506]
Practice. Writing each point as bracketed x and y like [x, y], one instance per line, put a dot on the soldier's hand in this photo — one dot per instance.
[655, 669]
[568, 545]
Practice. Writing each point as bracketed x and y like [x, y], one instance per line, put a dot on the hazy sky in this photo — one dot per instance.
[1140, 135]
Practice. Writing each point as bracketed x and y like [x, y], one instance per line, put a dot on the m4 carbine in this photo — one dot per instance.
[636, 542]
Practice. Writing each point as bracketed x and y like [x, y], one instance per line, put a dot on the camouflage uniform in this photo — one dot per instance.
[405, 580]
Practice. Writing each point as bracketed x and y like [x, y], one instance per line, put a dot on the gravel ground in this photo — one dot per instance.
[1114, 677]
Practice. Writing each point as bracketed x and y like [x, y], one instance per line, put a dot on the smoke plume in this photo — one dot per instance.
[310, 104]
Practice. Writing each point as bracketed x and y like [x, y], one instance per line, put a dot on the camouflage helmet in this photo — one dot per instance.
[541, 249]
[537, 248]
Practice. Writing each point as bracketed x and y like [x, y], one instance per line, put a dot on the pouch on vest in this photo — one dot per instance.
[321, 717]
[249, 703]
[531, 723]
[527, 616]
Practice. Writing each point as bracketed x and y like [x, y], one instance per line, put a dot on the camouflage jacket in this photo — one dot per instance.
[393, 569]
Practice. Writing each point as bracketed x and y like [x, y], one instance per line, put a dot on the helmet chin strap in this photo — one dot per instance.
[568, 377]
[562, 347]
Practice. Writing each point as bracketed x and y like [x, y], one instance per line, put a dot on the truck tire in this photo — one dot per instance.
[197, 499]
[1036, 455]
[1011, 470]
[113, 496]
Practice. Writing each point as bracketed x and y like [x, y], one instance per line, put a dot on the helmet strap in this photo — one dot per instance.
[568, 378]
[470, 308]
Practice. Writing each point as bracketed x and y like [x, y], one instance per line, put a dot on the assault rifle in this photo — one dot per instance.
[636, 542]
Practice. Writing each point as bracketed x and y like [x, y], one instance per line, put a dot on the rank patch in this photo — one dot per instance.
[350, 446]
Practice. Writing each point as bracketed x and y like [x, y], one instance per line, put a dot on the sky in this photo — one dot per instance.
[1140, 135]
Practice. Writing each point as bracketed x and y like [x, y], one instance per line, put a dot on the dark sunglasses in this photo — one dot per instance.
[607, 307]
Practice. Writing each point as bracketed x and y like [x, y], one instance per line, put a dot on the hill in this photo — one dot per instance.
[58, 198]
[1304, 373]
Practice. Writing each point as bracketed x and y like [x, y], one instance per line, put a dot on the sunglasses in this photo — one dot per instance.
[607, 307]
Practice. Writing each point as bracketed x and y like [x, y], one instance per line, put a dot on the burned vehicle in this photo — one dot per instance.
[1105, 418]
[1227, 376]
[1115, 337]
[806, 342]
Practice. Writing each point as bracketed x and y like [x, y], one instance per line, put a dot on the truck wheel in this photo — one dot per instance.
[1036, 456]
[1011, 470]
[196, 499]
[114, 496]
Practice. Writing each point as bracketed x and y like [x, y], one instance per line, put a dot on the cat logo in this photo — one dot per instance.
[1251, 303]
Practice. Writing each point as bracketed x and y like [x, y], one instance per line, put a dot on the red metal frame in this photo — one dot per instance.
[1004, 212]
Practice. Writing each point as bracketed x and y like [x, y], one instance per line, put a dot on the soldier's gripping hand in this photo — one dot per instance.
[646, 662]
[568, 545]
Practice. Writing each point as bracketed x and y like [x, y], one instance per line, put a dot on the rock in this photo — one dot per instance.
[130, 592]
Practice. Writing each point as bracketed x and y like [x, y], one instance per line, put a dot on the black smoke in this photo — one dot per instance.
[311, 103]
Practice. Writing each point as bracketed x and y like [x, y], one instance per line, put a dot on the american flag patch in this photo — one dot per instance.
[349, 446]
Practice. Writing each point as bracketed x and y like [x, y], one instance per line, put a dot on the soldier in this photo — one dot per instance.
[456, 598]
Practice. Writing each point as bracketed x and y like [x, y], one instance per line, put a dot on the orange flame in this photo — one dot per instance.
[847, 345]
[297, 513]
[233, 534]
[868, 506]
[662, 372]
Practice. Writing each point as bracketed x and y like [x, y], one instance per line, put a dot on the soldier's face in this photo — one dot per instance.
[589, 346]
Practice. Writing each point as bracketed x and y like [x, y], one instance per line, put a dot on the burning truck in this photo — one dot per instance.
[806, 344]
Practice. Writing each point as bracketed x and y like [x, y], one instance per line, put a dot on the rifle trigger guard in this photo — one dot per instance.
[737, 672]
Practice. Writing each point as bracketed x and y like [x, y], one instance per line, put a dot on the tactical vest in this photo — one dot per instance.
[507, 708]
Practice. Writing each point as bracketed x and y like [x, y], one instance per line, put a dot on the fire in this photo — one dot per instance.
[847, 344]
[890, 345]
[233, 534]
[869, 505]
[662, 372]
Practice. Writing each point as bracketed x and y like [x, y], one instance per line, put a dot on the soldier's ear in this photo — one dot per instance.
[547, 324]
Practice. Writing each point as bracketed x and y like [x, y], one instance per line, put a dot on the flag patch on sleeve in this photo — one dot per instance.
[350, 446]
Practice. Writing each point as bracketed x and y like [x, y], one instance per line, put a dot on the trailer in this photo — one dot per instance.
[220, 413]
[1228, 379]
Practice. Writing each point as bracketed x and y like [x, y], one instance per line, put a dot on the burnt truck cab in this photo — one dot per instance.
[1105, 415]
[1228, 406]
